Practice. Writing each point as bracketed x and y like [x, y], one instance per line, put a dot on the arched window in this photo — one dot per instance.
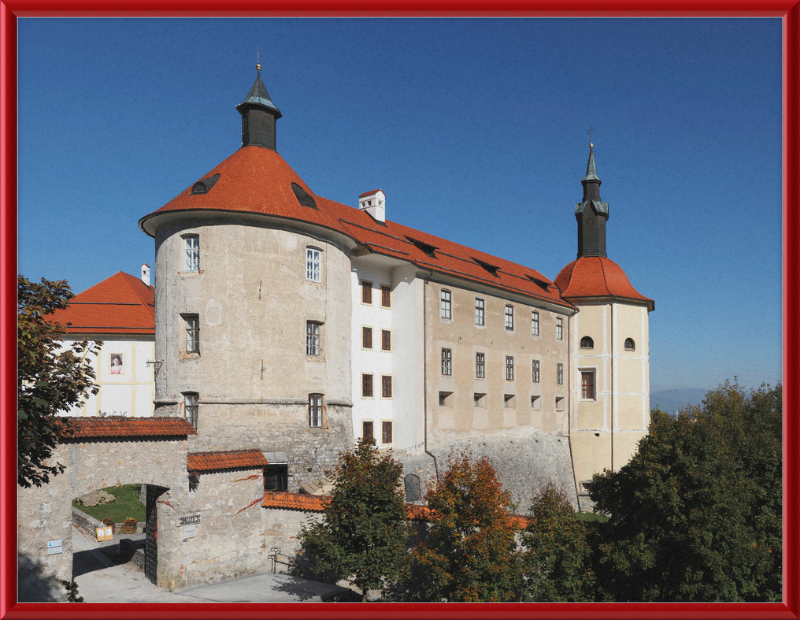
[630, 345]
[587, 343]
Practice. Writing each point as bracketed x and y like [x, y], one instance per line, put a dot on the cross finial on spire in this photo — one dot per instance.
[591, 133]
[258, 61]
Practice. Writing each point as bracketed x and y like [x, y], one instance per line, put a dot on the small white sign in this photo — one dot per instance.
[53, 547]
[188, 530]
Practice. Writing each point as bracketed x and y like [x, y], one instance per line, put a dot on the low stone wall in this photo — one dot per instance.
[281, 528]
[84, 522]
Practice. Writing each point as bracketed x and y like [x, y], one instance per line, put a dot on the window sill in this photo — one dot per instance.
[188, 356]
[190, 274]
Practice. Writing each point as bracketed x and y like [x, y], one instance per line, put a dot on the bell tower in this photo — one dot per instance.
[591, 214]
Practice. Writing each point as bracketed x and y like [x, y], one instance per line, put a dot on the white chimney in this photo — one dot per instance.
[146, 274]
[374, 203]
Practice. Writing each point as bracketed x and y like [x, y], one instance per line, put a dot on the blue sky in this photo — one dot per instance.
[476, 129]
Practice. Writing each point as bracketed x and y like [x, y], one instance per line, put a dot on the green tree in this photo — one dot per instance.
[696, 514]
[470, 554]
[50, 379]
[557, 558]
[362, 535]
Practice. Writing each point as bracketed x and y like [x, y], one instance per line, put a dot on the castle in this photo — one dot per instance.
[288, 325]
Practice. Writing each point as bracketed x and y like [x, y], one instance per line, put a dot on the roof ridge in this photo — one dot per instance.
[128, 278]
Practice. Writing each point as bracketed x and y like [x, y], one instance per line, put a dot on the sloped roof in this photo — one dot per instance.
[231, 459]
[257, 180]
[121, 304]
[130, 427]
[597, 276]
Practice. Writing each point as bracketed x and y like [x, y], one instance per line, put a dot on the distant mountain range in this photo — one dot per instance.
[672, 401]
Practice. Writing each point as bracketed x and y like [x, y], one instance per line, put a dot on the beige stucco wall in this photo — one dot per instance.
[460, 334]
[604, 431]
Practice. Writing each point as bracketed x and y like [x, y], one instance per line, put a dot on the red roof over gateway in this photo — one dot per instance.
[596, 276]
[121, 304]
[130, 427]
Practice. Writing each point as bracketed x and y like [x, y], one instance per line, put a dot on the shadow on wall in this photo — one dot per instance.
[36, 586]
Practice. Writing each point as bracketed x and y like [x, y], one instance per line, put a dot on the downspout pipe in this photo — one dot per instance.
[425, 371]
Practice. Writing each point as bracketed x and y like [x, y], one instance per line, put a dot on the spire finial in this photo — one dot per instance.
[591, 133]
[258, 61]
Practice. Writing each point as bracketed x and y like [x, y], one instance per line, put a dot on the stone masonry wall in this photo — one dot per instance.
[281, 528]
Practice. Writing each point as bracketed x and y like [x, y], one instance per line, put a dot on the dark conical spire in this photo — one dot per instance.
[258, 115]
[591, 213]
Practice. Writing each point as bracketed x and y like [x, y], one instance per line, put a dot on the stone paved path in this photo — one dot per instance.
[100, 580]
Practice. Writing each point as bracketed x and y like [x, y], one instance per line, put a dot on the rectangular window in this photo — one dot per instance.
[480, 311]
[312, 338]
[510, 318]
[366, 431]
[386, 296]
[445, 399]
[192, 333]
[366, 293]
[190, 404]
[191, 244]
[386, 432]
[509, 401]
[535, 371]
[315, 410]
[386, 386]
[445, 304]
[276, 478]
[366, 386]
[587, 385]
[366, 337]
[559, 329]
[536, 403]
[447, 362]
[534, 323]
[479, 400]
[386, 340]
[509, 368]
[480, 365]
[560, 374]
[313, 268]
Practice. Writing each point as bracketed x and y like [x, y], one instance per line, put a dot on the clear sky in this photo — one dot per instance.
[476, 130]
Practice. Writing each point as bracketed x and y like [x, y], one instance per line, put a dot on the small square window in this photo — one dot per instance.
[447, 362]
[386, 386]
[386, 340]
[534, 323]
[366, 293]
[366, 337]
[191, 244]
[386, 296]
[480, 365]
[510, 318]
[536, 403]
[509, 368]
[479, 400]
[480, 311]
[445, 399]
[366, 386]
[446, 304]
[560, 403]
[315, 410]
[509, 401]
[386, 432]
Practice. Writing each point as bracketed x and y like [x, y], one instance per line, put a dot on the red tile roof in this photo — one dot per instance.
[296, 501]
[232, 459]
[596, 276]
[257, 180]
[317, 503]
[130, 427]
[374, 191]
[121, 304]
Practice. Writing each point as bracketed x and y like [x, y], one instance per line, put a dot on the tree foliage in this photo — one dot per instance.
[557, 559]
[696, 514]
[50, 378]
[470, 554]
[362, 535]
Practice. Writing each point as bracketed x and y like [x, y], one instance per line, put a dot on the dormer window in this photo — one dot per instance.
[424, 247]
[540, 283]
[303, 197]
[204, 186]
[492, 269]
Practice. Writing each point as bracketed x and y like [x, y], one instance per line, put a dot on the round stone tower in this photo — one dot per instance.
[252, 297]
